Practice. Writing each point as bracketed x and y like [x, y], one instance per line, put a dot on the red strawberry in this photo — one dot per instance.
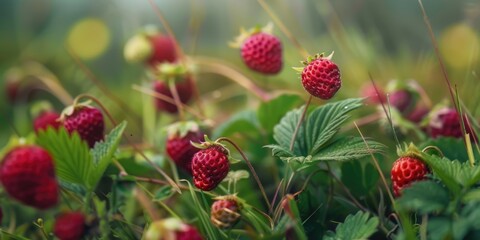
[407, 169]
[446, 122]
[225, 212]
[87, 121]
[321, 77]
[180, 149]
[70, 226]
[46, 119]
[262, 52]
[401, 100]
[163, 50]
[184, 90]
[188, 233]
[210, 166]
[418, 114]
[28, 175]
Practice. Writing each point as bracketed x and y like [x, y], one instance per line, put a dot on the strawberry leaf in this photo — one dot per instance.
[103, 152]
[424, 197]
[271, 112]
[242, 122]
[348, 148]
[73, 163]
[325, 121]
[358, 226]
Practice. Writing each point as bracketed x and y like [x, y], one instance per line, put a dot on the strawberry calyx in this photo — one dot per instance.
[68, 111]
[410, 151]
[15, 142]
[244, 34]
[311, 59]
[208, 143]
[172, 72]
[231, 197]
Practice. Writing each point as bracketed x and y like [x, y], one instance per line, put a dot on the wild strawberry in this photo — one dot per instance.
[179, 146]
[188, 233]
[28, 175]
[401, 100]
[46, 119]
[87, 121]
[407, 169]
[373, 97]
[446, 122]
[225, 212]
[260, 50]
[184, 90]
[171, 229]
[163, 49]
[150, 47]
[70, 226]
[210, 166]
[321, 77]
[418, 114]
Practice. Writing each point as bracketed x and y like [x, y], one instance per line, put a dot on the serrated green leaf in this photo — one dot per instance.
[424, 197]
[271, 112]
[324, 122]
[73, 162]
[348, 148]
[244, 121]
[103, 152]
[358, 226]
[452, 173]
[284, 131]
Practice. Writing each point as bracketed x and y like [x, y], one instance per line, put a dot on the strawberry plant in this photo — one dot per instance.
[185, 142]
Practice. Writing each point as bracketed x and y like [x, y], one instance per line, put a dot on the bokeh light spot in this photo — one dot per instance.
[459, 45]
[89, 38]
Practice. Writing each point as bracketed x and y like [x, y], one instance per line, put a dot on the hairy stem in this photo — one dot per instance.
[250, 166]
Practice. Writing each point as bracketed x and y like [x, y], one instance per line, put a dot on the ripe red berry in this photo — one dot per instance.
[88, 122]
[184, 90]
[225, 213]
[180, 149]
[262, 52]
[321, 78]
[46, 119]
[28, 175]
[209, 167]
[446, 122]
[70, 226]
[418, 114]
[401, 100]
[188, 233]
[405, 171]
[163, 50]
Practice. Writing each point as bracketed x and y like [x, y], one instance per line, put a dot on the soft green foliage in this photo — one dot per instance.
[74, 162]
[453, 174]
[269, 113]
[358, 226]
[359, 179]
[424, 197]
[452, 148]
[317, 138]
[244, 121]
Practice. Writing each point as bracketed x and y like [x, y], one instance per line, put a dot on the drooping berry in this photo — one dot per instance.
[262, 52]
[87, 121]
[28, 175]
[163, 49]
[70, 226]
[47, 119]
[180, 149]
[446, 122]
[405, 171]
[372, 96]
[401, 100]
[321, 78]
[210, 166]
[225, 212]
[184, 90]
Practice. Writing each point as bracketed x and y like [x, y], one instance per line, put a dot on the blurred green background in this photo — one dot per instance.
[386, 38]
